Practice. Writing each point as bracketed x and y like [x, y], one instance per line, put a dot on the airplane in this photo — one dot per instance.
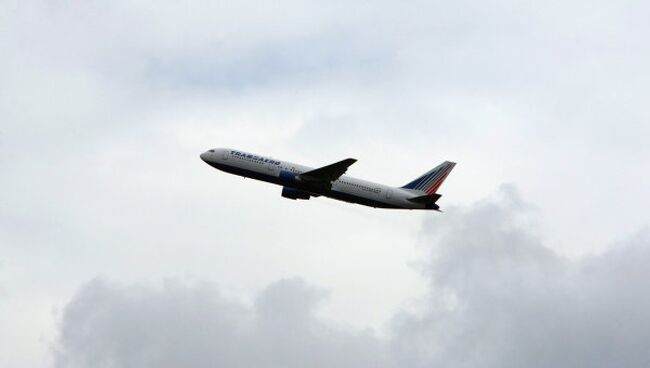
[302, 182]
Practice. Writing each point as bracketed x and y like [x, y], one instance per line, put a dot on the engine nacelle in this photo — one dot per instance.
[293, 193]
[288, 176]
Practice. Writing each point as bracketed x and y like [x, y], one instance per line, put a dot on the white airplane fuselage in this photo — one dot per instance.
[287, 174]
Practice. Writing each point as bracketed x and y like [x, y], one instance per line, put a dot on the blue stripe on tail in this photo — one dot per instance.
[424, 182]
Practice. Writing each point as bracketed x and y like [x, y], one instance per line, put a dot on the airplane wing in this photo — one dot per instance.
[329, 173]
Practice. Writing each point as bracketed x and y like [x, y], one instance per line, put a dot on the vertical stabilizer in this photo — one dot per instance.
[432, 180]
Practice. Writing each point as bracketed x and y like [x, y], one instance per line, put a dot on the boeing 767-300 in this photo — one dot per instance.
[302, 182]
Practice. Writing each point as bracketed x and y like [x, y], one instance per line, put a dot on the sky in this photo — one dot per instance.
[119, 247]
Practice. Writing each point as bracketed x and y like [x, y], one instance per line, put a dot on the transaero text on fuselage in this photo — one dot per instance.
[255, 158]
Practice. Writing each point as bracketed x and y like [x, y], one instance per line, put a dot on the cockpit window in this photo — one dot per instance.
[211, 150]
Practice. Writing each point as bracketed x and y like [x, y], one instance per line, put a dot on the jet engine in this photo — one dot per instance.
[288, 176]
[293, 193]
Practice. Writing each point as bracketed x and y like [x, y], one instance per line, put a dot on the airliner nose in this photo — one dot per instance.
[204, 156]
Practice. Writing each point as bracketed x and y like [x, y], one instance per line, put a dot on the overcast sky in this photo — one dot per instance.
[119, 247]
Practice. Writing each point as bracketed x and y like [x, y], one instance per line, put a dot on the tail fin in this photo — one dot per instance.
[431, 181]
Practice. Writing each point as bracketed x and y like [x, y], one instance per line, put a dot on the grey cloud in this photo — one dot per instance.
[183, 324]
[498, 298]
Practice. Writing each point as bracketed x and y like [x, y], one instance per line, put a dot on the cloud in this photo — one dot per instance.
[498, 298]
[105, 106]
[181, 324]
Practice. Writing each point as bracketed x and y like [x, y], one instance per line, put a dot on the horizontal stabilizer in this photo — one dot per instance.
[327, 173]
[426, 199]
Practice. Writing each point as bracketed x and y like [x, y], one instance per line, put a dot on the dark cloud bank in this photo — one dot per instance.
[498, 298]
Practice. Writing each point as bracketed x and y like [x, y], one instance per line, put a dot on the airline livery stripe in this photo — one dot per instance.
[438, 182]
[428, 179]
[427, 182]
[419, 181]
[441, 178]
[433, 178]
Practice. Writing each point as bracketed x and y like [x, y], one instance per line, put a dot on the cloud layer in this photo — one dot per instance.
[498, 297]
[105, 106]
[182, 324]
